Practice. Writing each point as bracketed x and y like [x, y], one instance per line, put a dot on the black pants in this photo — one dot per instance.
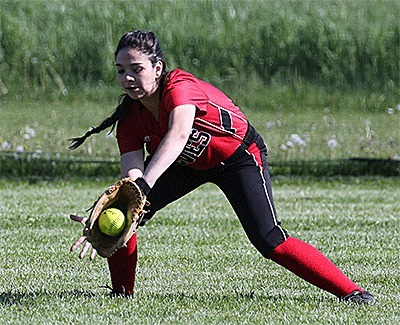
[246, 185]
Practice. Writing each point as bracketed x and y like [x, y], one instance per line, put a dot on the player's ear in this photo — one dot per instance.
[158, 69]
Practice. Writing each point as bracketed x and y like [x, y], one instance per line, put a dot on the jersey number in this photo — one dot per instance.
[226, 121]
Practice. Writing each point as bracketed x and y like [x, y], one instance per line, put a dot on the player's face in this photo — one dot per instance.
[136, 73]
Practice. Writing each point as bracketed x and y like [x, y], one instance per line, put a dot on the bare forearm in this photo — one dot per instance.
[180, 126]
[169, 150]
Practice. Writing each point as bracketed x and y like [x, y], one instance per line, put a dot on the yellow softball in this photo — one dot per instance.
[112, 222]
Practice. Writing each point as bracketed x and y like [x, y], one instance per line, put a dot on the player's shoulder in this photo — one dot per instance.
[179, 75]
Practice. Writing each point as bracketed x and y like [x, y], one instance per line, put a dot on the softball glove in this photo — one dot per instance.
[126, 196]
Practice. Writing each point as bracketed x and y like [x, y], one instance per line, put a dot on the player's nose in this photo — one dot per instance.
[129, 76]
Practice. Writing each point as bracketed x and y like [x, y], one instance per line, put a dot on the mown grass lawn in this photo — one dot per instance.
[196, 265]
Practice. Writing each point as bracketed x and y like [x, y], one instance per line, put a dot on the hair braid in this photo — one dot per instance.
[123, 106]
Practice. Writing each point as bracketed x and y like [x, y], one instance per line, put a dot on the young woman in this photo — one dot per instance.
[194, 134]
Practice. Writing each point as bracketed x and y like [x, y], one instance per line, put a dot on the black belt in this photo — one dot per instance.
[250, 137]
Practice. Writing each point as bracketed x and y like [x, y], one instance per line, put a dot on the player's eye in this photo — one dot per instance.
[137, 69]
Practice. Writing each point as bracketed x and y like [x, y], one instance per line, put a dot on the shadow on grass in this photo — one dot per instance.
[10, 298]
[338, 167]
[19, 298]
[55, 166]
[215, 298]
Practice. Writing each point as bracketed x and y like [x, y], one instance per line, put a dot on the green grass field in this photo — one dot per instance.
[60, 45]
[196, 266]
[358, 123]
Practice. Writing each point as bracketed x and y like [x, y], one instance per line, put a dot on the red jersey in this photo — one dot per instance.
[218, 129]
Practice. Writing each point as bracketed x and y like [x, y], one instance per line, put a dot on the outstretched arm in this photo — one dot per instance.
[180, 126]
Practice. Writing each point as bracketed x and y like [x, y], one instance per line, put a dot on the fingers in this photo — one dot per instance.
[82, 220]
[93, 254]
[81, 239]
[84, 250]
[77, 243]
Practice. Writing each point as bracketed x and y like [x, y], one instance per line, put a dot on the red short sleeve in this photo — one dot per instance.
[134, 129]
[182, 89]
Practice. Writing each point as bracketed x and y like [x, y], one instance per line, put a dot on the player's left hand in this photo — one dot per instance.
[82, 240]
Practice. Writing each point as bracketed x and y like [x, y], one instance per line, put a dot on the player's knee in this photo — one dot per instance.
[265, 243]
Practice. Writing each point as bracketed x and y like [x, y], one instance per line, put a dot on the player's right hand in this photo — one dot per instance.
[82, 240]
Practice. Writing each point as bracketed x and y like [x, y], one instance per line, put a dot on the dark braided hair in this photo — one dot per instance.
[125, 102]
[145, 42]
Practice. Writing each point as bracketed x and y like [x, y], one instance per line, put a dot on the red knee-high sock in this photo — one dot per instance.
[122, 266]
[311, 265]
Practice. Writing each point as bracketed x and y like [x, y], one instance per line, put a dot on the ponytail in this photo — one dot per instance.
[124, 105]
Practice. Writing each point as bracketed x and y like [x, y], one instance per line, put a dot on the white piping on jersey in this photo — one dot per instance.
[230, 112]
[219, 128]
[266, 194]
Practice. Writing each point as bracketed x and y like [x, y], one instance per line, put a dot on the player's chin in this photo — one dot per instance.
[135, 94]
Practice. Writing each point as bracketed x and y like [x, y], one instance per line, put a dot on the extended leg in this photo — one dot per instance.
[311, 265]
[122, 266]
[255, 208]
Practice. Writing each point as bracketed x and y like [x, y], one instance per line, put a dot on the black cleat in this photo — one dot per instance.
[360, 298]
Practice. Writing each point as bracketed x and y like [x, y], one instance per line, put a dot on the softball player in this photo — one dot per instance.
[194, 134]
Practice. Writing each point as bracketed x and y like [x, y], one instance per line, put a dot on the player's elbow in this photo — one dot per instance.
[180, 135]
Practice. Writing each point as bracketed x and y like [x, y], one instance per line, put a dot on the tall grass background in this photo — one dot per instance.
[326, 71]
[65, 44]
